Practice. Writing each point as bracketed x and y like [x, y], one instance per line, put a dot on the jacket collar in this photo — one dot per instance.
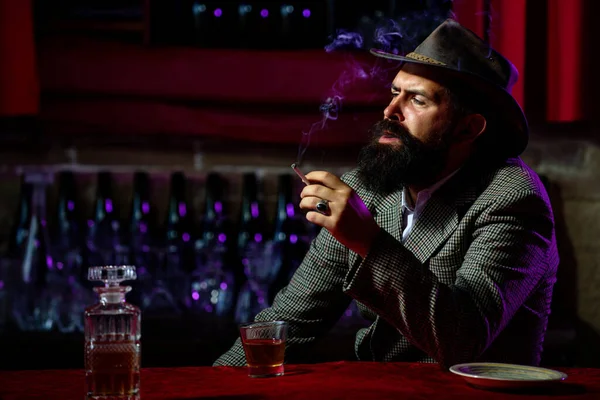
[438, 219]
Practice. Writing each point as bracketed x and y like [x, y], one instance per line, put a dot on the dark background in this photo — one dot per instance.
[163, 86]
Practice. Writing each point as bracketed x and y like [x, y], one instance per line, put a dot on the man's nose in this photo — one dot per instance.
[393, 112]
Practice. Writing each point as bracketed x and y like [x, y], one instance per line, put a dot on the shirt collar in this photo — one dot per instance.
[424, 195]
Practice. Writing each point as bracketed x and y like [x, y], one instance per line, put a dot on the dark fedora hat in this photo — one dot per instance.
[459, 52]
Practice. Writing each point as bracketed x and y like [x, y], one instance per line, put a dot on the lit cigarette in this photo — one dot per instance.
[300, 174]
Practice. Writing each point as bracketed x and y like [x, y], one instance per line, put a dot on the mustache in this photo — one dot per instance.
[388, 127]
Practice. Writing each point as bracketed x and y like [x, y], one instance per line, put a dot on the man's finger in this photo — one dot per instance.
[316, 190]
[318, 219]
[326, 179]
[310, 203]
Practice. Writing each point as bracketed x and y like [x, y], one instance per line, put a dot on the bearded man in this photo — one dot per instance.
[442, 235]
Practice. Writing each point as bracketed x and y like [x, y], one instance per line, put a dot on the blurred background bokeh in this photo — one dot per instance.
[161, 133]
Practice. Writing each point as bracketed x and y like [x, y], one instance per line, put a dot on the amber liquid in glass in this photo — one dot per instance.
[112, 368]
[264, 352]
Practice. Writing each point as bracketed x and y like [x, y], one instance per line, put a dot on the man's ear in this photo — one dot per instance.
[470, 127]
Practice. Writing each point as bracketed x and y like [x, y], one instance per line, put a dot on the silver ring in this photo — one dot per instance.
[322, 206]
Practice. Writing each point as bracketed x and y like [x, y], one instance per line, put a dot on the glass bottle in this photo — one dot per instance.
[34, 307]
[67, 280]
[20, 229]
[171, 279]
[178, 227]
[256, 252]
[141, 223]
[112, 337]
[66, 232]
[178, 240]
[104, 231]
[252, 217]
[290, 235]
[142, 230]
[10, 265]
[212, 282]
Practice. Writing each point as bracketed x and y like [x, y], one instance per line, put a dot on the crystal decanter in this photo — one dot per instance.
[112, 337]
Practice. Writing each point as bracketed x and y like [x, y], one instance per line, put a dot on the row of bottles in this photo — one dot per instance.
[212, 265]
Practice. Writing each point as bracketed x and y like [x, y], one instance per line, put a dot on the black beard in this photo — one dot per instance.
[386, 168]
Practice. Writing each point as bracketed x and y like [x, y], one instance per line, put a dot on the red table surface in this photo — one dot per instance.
[336, 380]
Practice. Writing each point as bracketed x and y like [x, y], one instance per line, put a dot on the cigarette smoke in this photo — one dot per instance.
[397, 36]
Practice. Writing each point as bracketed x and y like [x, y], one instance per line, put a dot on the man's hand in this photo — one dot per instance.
[348, 219]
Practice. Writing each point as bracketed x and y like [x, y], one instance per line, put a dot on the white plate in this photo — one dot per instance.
[506, 376]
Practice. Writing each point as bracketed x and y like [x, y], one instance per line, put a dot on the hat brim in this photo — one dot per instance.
[514, 126]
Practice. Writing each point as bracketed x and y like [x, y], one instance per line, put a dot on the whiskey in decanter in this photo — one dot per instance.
[112, 337]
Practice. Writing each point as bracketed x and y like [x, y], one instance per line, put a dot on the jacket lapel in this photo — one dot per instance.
[440, 217]
[435, 224]
[389, 214]
[387, 211]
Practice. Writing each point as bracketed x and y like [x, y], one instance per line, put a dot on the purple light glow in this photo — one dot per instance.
[264, 13]
[218, 207]
[182, 209]
[90, 223]
[208, 308]
[289, 209]
[145, 207]
[218, 12]
[222, 237]
[258, 238]
[254, 210]
[49, 262]
[71, 280]
[195, 295]
[306, 13]
[59, 265]
[43, 222]
[142, 270]
[108, 205]
[185, 237]
[223, 286]
[293, 238]
[143, 227]
[70, 205]
[1, 285]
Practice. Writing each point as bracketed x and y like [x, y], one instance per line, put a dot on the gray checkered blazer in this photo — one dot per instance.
[472, 282]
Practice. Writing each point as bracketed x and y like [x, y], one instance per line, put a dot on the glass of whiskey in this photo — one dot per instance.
[264, 346]
[112, 337]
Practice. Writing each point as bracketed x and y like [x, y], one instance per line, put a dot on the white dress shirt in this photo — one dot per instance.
[410, 212]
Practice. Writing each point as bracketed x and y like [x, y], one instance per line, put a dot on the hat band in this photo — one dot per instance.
[420, 57]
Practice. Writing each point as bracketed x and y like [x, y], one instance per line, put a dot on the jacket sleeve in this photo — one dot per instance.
[505, 261]
[311, 303]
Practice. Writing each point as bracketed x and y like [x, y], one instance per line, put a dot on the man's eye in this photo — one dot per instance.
[418, 102]
[394, 94]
